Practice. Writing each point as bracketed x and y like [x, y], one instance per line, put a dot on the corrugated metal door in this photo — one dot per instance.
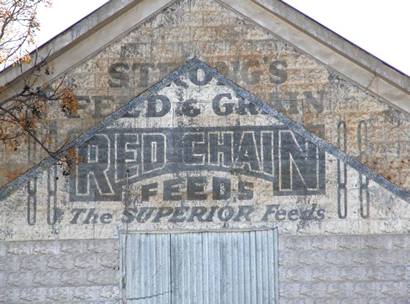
[204, 268]
[146, 265]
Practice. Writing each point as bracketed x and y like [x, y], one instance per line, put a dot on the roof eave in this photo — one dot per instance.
[338, 43]
[78, 31]
[385, 79]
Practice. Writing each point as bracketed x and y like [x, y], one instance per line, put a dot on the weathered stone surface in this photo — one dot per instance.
[195, 153]
[198, 153]
[314, 269]
[54, 277]
[346, 269]
[289, 80]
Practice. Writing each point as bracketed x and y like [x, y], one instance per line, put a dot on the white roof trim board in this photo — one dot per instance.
[332, 50]
[343, 46]
[86, 37]
[77, 31]
[306, 34]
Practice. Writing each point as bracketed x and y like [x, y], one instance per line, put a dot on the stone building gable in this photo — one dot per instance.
[196, 152]
[291, 81]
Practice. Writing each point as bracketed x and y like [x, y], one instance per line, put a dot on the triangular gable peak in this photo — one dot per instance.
[196, 151]
[126, 46]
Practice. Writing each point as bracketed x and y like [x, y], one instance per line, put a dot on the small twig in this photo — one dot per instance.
[29, 132]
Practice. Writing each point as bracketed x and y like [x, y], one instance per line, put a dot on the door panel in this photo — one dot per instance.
[202, 268]
[147, 268]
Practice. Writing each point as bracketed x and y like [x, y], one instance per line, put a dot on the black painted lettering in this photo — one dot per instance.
[172, 190]
[308, 213]
[278, 71]
[247, 108]
[317, 103]
[181, 82]
[161, 213]
[194, 148]
[145, 214]
[221, 188]
[119, 77]
[299, 163]
[120, 157]
[211, 214]
[267, 152]
[226, 213]
[190, 108]
[128, 215]
[270, 210]
[244, 212]
[196, 187]
[247, 156]
[153, 154]
[221, 148]
[148, 190]
[92, 217]
[158, 106]
[77, 212]
[144, 72]
[321, 214]
[220, 107]
[200, 76]
[280, 215]
[287, 103]
[91, 172]
[199, 213]
[245, 190]
[128, 156]
[248, 76]
[179, 215]
[106, 218]
[293, 215]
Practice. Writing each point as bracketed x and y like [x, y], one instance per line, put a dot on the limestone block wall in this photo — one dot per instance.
[71, 271]
[334, 269]
[344, 232]
[343, 229]
[347, 269]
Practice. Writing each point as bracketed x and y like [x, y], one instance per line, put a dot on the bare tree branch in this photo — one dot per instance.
[23, 115]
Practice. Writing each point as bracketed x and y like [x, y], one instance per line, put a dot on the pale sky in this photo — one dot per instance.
[380, 27]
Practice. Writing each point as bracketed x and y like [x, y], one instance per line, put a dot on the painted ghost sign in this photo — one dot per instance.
[196, 152]
[274, 153]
